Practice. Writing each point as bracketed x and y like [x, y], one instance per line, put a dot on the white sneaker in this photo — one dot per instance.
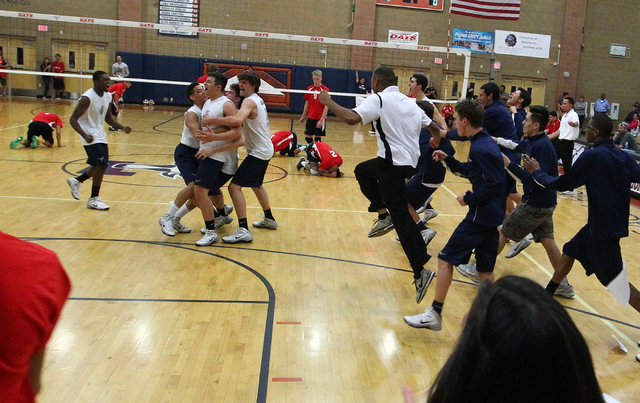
[424, 205]
[372, 132]
[268, 223]
[430, 319]
[209, 238]
[166, 225]
[96, 204]
[565, 290]
[75, 187]
[469, 271]
[299, 165]
[178, 227]
[519, 246]
[429, 214]
[242, 235]
[145, 102]
[222, 220]
[427, 235]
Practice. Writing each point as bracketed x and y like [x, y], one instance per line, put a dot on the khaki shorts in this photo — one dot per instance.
[525, 220]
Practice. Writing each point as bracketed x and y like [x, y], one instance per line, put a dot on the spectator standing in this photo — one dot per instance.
[362, 89]
[602, 105]
[431, 92]
[119, 68]
[559, 104]
[567, 134]
[57, 66]
[4, 64]
[504, 95]
[211, 68]
[581, 109]
[46, 67]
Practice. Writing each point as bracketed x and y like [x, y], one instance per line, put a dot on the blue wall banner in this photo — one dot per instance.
[475, 41]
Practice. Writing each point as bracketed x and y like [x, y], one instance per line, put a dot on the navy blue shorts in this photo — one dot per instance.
[40, 129]
[602, 257]
[469, 236]
[97, 154]
[221, 180]
[114, 109]
[250, 173]
[311, 128]
[186, 162]
[417, 192]
[208, 171]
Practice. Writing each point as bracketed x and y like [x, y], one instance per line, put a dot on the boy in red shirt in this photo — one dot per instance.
[286, 143]
[323, 161]
[4, 64]
[57, 66]
[116, 91]
[315, 128]
[41, 126]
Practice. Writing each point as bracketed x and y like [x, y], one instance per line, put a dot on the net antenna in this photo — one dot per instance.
[376, 45]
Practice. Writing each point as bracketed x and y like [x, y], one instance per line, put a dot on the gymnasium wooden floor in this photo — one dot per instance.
[311, 312]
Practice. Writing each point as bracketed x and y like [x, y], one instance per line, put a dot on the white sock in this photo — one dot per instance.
[304, 163]
[173, 209]
[182, 212]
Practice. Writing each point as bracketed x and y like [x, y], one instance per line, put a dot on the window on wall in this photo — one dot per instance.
[530, 90]
[19, 56]
[72, 60]
[92, 61]
[454, 89]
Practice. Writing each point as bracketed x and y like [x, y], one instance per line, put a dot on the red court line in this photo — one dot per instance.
[288, 323]
[286, 379]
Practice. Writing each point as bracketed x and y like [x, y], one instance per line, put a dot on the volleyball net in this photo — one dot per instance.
[164, 55]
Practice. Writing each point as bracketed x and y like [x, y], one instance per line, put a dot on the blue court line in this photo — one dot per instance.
[204, 301]
[167, 121]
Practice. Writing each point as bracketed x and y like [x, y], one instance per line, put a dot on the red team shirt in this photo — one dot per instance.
[281, 140]
[203, 79]
[57, 67]
[48, 118]
[553, 127]
[2, 61]
[33, 289]
[315, 107]
[325, 155]
[119, 89]
[447, 111]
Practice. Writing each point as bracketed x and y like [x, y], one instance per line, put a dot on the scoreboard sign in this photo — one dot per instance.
[435, 5]
[179, 13]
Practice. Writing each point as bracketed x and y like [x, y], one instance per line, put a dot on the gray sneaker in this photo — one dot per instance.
[381, 227]
[209, 238]
[242, 235]
[565, 290]
[267, 223]
[178, 227]
[222, 220]
[228, 209]
[428, 235]
[75, 187]
[469, 271]
[423, 283]
[424, 205]
[430, 319]
[519, 246]
[429, 214]
[166, 225]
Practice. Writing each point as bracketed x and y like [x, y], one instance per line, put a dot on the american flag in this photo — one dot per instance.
[491, 9]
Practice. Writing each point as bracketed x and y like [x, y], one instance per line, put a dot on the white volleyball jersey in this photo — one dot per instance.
[188, 139]
[92, 121]
[215, 109]
[257, 137]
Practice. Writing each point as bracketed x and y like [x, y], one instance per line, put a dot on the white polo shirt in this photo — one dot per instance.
[567, 132]
[398, 123]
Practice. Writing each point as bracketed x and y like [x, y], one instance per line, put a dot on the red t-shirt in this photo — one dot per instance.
[315, 107]
[2, 61]
[633, 125]
[33, 289]
[203, 79]
[325, 155]
[553, 127]
[57, 67]
[281, 140]
[119, 89]
[447, 111]
[48, 118]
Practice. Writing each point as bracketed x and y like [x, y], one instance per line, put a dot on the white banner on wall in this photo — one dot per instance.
[403, 37]
[522, 44]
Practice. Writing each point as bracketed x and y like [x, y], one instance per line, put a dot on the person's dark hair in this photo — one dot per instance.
[553, 113]
[517, 345]
[426, 107]
[472, 110]
[97, 75]
[492, 89]
[212, 68]
[422, 80]
[190, 90]
[564, 94]
[57, 54]
[571, 101]
[235, 88]
[503, 88]
[539, 114]
[525, 96]
[603, 124]
[386, 77]
[219, 79]
[251, 77]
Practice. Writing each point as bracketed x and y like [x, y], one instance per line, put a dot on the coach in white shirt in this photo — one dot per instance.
[567, 133]
[398, 121]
